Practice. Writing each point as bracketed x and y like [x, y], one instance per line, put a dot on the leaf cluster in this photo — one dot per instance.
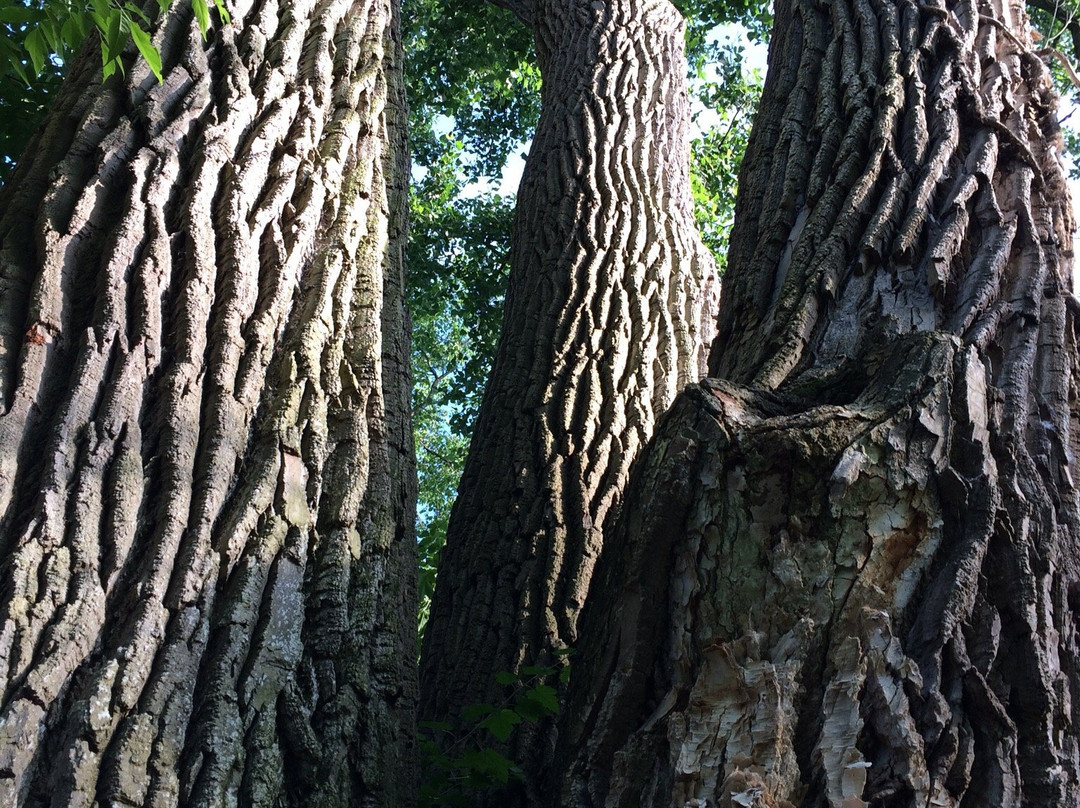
[729, 94]
[51, 32]
[471, 64]
[38, 40]
[1056, 29]
[704, 16]
[458, 762]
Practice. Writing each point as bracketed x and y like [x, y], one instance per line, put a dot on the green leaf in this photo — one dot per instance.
[474, 712]
[109, 22]
[51, 31]
[536, 670]
[564, 675]
[506, 678]
[14, 58]
[501, 723]
[18, 15]
[202, 15]
[20, 71]
[529, 709]
[488, 763]
[223, 12]
[146, 48]
[101, 21]
[117, 40]
[36, 48]
[134, 12]
[545, 696]
[74, 30]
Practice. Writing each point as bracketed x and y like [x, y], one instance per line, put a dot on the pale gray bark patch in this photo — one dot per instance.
[608, 314]
[861, 589]
[206, 473]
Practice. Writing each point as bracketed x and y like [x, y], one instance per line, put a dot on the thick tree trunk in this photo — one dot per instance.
[848, 572]
[206, 475]
[607, 317]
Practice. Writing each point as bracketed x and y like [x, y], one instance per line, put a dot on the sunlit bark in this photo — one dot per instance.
[608, 315]
[206, 475]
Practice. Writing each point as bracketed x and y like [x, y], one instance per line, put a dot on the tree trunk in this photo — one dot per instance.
[206, 474]
[848, 573]
[608, 313]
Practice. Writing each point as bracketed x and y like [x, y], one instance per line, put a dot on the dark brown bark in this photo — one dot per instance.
[848, 572]
[206, 474]
[607, 316]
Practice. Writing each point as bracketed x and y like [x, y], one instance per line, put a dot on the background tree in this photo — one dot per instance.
[474, 102]
[206, 481]
[608, 310]
[846, 573]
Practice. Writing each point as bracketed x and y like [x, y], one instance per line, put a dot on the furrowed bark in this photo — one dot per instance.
[206, 470]
[847, 574]
[608, 311]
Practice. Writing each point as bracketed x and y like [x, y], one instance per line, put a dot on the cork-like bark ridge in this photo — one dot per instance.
[206, 474]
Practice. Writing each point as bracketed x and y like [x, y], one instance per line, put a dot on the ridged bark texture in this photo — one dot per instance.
[206, 469]
[607, 317]
[847, 574]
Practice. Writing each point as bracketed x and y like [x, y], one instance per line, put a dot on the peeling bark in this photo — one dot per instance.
[206, 473]
[608, 315]
[848, 573]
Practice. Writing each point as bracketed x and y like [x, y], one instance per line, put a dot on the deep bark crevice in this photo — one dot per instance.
[210, 404]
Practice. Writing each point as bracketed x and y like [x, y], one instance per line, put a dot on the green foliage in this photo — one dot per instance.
[457, 274]
[51, 32]
[728, 94]
[458, 762]
[703, 17]
[38, 39]
[22, 108]
[1056, 25]
[474, 97]
[470, 63]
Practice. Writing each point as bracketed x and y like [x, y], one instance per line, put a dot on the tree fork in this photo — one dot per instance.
[867, 579]
[206, 478]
